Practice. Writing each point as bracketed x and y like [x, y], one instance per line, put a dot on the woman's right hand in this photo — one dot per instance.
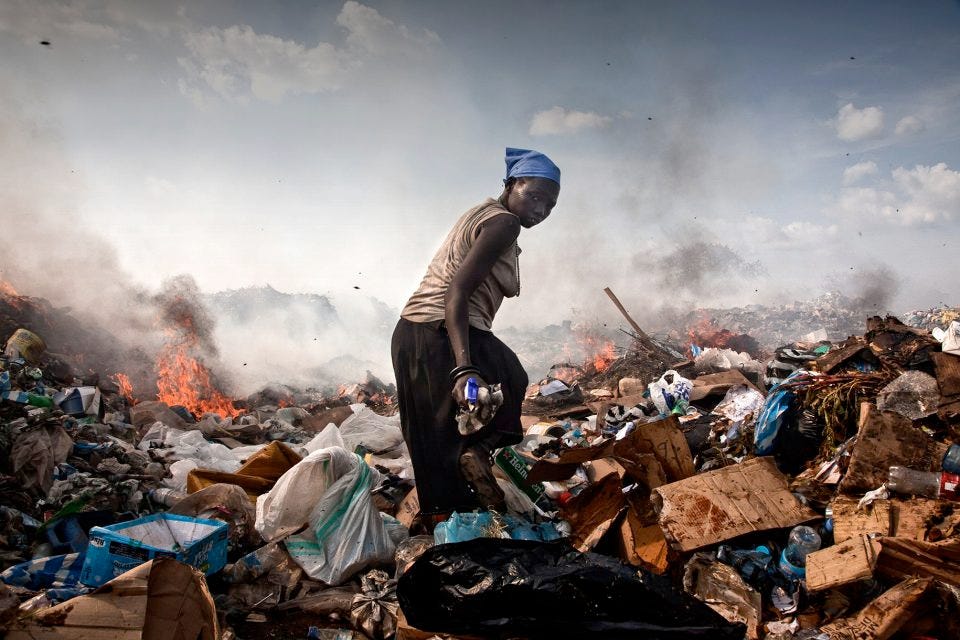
[459, 392]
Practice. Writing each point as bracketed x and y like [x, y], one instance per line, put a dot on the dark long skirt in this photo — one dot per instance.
[422, 360]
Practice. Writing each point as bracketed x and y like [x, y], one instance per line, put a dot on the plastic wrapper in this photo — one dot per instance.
[374, 609]
[409, 550]
[779, 406]
[740, 402]
[548, 590]
[913, 395]
[460, 527]
[376, 433]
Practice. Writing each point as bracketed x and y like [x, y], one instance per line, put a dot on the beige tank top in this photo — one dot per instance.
[427, 302]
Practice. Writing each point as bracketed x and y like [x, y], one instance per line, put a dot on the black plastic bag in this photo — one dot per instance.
[499, 587]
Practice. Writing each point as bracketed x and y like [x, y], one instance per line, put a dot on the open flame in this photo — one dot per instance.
[126, 388]
[706, 333]
[7, 289]
[601, 351]
[184, 380]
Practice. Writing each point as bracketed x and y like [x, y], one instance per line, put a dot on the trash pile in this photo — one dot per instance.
[807, 495]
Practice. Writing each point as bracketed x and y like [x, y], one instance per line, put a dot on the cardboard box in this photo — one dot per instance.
[159, 599]
[118, 548]
[518, 471]
[720, 505]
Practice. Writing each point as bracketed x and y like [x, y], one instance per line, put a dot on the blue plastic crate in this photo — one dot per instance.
[117, 548]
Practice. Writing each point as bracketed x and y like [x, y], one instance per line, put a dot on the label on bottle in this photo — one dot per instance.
[948, 486]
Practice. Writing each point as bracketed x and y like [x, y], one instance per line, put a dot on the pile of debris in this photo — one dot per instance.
[709, 494]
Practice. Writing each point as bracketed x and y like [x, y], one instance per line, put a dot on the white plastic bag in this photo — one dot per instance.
[379, 434]
[671, 393]
[329, 437]
[287, 506]
[346, 531]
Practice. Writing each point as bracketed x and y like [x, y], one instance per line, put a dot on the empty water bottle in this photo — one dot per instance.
[951, 459]
[803, 540]
[927, 484]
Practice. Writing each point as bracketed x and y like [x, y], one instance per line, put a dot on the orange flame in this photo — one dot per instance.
[706, 333]
[183, 380]
[126, 388]
[603, 358]
[7, 289]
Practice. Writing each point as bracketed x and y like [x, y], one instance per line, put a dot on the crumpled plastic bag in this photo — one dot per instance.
[950, 338]
[671, 393]
[779, 405]
[329, 491]
[35, 454]
[740, 402]
[491, 587]
[376, 433]
[374, 609]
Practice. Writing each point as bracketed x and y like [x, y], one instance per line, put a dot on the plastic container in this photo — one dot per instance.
[802, 541]
[951, 459]
[927, 484]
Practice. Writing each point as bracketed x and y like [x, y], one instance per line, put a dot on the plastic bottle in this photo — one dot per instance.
[803, 540]
[951, 459]
[927, 484]
[168, 497]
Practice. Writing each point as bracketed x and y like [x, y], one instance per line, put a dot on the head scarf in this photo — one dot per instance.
[523, 163]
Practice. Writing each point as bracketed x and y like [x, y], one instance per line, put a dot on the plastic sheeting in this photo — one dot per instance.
[548, 590]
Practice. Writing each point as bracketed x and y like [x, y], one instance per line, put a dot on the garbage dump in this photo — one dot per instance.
[668, 489]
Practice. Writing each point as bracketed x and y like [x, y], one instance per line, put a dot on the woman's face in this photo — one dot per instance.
[532, 200]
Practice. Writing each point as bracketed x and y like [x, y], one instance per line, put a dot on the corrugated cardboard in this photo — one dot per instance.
[662, 439]
[900, 558]
[850, 522]
[162, 599]
[843, 563]
[257, 475]
[886, 614]
[642, 545]
[720, 505]
[409, 508]
[885, 439]
[594, 511]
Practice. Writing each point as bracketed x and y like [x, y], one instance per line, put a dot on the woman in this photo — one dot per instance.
[444, 338]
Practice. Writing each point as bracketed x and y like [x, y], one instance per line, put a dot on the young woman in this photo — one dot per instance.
[444, 337]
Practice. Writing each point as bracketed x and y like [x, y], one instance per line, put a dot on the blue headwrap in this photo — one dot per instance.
[522, 163]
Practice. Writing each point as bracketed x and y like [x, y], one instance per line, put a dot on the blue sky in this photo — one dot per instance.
[324, 146]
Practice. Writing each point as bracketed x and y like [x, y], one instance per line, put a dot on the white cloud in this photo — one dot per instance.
[804, 231]
[922, 195]
[33, 21]
[858, 171]
[559, 121]
[370, 31]
[909, 125]
[854, 124]
[933, 193]
[236, 61]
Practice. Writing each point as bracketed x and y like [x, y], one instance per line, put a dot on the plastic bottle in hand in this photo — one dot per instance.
[803, 540]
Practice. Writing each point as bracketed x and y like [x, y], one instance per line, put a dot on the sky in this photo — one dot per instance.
[712, 153]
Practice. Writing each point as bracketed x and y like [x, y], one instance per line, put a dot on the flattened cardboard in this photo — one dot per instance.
[593, 511]
[718, 384]
[256, 476]
[850, 523]
[663, 439]
[843, 563]
[720, 505]
[900, 558]
[409, 508]
[948, 379]
[722, 589]
[406, 632]
[885, 615]
[885, 439]
[161, 599]
[911, 517]
[642, 545]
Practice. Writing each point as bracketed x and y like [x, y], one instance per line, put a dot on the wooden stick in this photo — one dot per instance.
[642, 338]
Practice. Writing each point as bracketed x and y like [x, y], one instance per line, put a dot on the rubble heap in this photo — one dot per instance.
[707, 494]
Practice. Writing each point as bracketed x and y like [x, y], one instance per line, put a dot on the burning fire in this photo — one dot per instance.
[706, 333]
[7, 289]
[126, 388]
[183, 380]
[600, 351]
